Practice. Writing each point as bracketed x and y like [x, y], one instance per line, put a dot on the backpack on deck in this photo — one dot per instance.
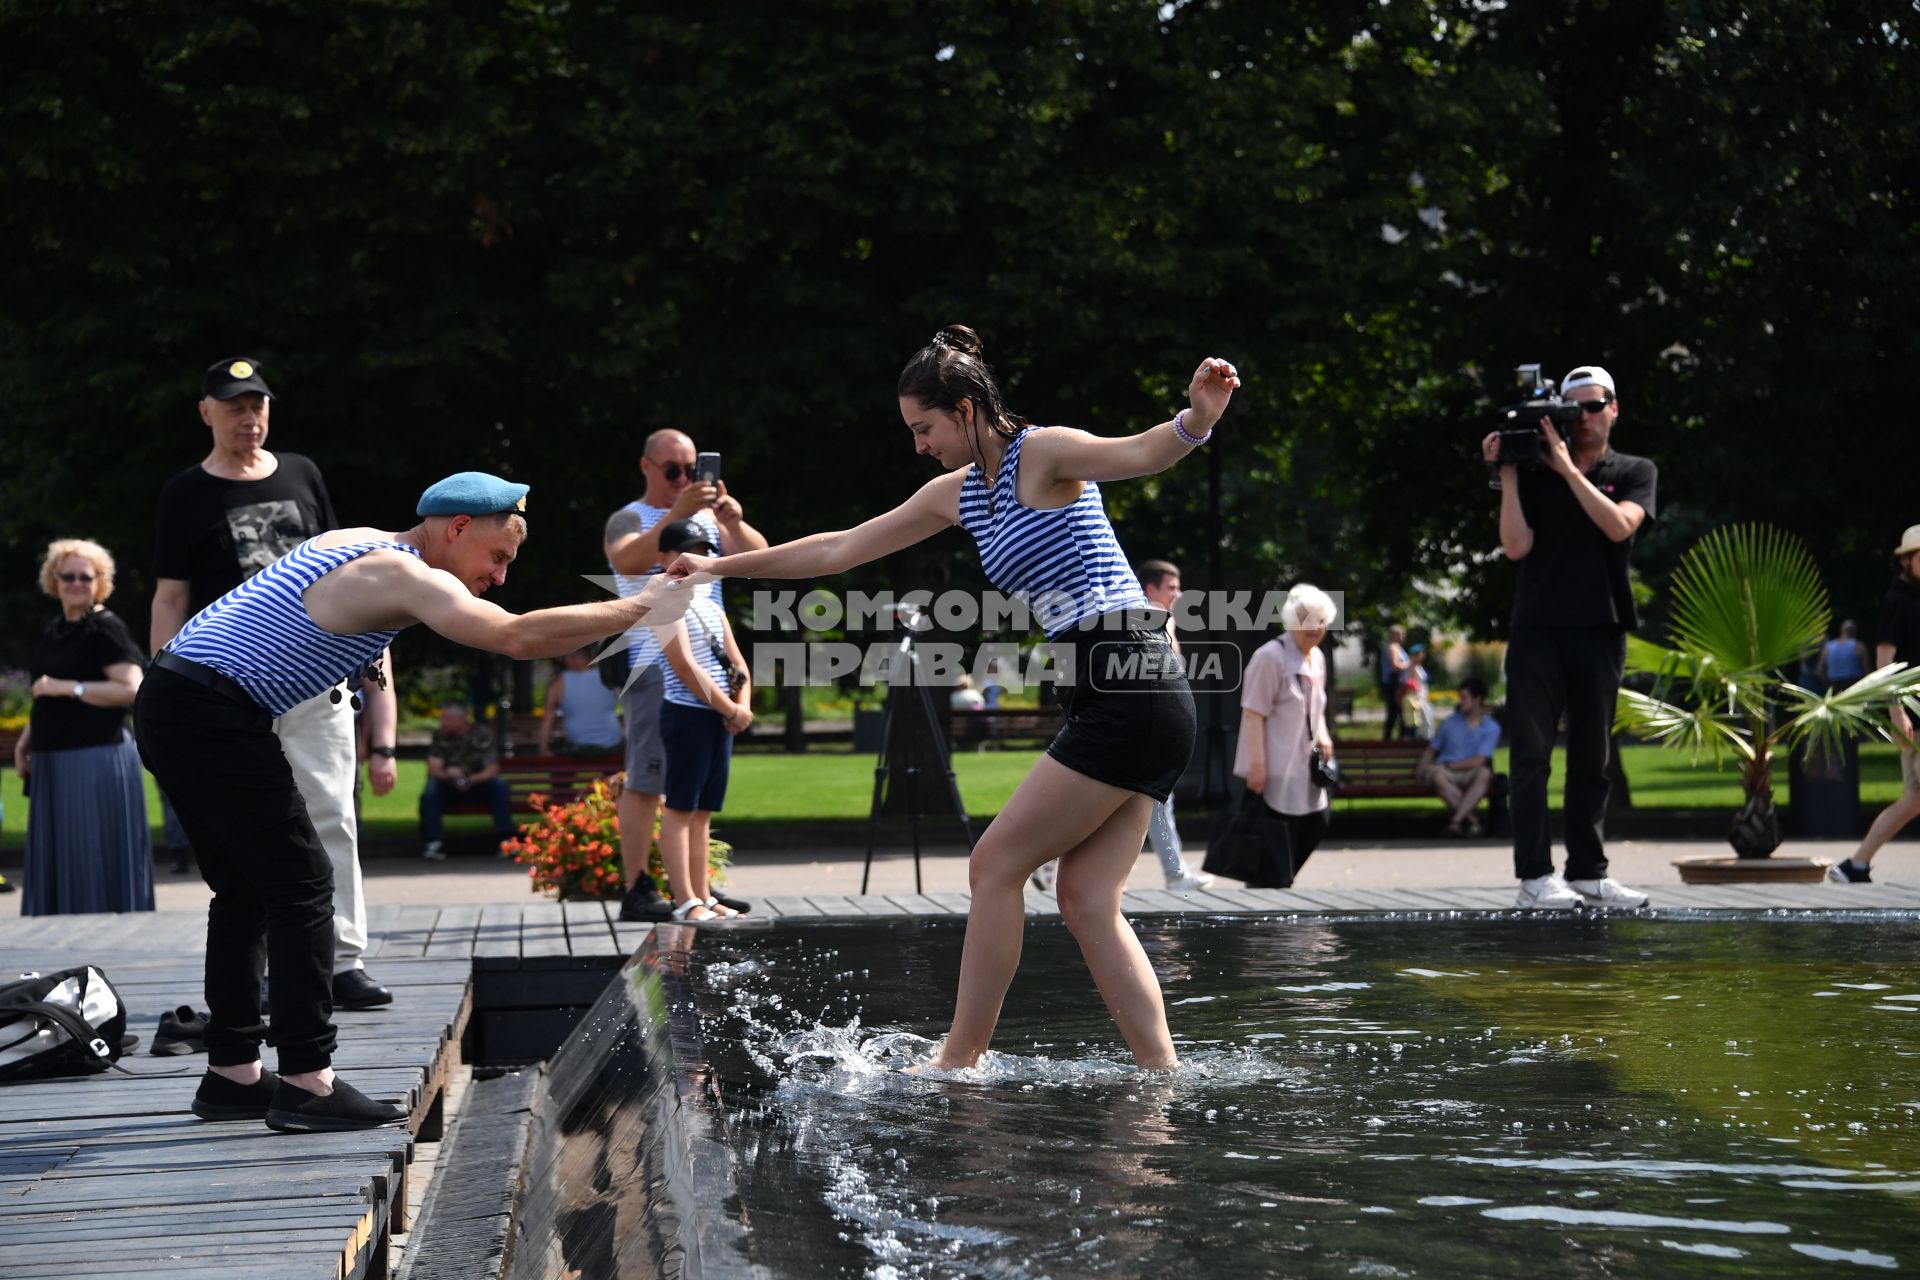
[70, 1023]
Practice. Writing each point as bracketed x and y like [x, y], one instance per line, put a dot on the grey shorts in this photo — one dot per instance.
[646, 757]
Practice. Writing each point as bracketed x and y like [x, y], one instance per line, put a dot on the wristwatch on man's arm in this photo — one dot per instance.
[381, 751]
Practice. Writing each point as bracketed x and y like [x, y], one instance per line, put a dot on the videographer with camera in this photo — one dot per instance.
[1570, 506]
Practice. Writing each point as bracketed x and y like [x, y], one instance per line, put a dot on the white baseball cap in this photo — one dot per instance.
[1587, 375]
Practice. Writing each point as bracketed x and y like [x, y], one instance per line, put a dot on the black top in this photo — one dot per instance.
[1900, 621]
[83, 651]
[1576, 576]
[217, 533]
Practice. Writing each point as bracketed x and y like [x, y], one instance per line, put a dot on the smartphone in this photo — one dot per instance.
[706, 468]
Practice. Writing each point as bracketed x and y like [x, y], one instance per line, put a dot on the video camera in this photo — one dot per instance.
[1522, 442]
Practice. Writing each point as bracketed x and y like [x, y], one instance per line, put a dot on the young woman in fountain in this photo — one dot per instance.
[1030, 497]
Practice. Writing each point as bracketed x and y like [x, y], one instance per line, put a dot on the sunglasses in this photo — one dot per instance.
[76, 577]
[673, 471]
[1595, 406]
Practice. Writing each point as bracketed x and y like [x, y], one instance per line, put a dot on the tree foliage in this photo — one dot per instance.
[519, 236]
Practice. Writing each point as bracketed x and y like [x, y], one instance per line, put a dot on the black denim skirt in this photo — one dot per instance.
[1129, 719]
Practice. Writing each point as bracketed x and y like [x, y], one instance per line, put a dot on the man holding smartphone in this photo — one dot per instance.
[675, 490]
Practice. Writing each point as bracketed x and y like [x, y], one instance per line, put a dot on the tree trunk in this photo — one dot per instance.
[1756, 829]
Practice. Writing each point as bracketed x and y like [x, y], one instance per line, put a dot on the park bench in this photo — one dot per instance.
[559, 778]
[1002, 725]
[1385, 768]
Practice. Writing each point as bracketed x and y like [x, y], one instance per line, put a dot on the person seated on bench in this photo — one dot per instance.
[580, 698]
[462, 764]
[1458, 763]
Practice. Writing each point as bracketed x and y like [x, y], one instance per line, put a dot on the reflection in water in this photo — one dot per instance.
[1453, 1097]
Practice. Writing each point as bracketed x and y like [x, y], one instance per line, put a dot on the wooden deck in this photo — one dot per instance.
[113, 1173]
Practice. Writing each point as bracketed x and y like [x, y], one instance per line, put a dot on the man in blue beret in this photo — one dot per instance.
[311, 619]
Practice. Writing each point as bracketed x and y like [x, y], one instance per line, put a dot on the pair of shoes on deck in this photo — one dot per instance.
[1552, 893]
[289, 1108]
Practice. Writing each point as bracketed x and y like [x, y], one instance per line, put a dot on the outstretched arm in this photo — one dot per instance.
[1063, 453]
[927, 512]
[397, 591]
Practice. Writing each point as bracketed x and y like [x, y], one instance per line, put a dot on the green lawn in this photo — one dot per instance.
[774, 788]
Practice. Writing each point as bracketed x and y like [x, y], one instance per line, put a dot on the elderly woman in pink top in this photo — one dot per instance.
[1283, 716]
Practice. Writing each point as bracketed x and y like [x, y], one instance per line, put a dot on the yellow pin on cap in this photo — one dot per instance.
[520, 503]
[240, 369]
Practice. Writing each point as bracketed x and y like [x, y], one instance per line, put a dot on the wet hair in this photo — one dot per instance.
[1475, 686]
[503, 519]
[1154, 572]
[951, 368]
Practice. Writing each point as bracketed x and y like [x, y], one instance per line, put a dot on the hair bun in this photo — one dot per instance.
[959, 338]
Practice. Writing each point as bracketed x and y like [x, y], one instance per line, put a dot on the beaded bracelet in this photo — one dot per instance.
[1180, 429]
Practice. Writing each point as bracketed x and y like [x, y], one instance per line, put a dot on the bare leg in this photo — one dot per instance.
[1887, 826]
[675, 831]
[1475, 793]
[697, 872]
[1092, 877]
[1448, 793]
[1052, 811]
[637, 810]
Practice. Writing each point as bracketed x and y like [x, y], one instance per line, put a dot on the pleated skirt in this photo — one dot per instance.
[88, 848]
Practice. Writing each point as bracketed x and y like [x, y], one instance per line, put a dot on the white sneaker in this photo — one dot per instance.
[434, 852]
[1042, 878]
[1608, 894]
[1547, 893]
[1187, 881]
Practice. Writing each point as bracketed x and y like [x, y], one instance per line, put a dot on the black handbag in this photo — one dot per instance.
[1252, 844]
[1325, 773]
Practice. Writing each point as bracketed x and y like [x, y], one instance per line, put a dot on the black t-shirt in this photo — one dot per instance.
[1576, 576]
[217, 533]
[83, 651]
[1900, 621]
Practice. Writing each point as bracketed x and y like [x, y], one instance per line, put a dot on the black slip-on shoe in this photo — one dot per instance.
[353, 989]
[733, 904]
[221, 1099]
[295, 1110]
[644, 905]
[182, 1030]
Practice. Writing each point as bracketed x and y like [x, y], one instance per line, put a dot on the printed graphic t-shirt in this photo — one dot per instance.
[215, 533]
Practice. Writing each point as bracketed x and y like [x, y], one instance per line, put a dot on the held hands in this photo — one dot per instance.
[739, 721]
[1212, 387]
[667, 597]
[693, 569]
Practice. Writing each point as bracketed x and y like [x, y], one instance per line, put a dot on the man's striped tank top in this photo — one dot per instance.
[260, 635]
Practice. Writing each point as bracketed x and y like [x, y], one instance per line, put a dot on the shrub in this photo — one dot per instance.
[573, 850]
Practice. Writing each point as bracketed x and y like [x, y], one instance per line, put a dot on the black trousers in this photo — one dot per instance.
[1390, 695]
[1551, 670]
[220, 764]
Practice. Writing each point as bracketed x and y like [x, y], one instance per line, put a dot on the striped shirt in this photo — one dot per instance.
[706, 626]
[1065, 565]
[644, 649]
[260, 635]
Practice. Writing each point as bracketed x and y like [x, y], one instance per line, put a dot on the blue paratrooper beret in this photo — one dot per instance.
[472, 493]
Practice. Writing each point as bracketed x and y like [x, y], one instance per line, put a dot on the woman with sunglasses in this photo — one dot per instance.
[1030, 497]
[87, 843]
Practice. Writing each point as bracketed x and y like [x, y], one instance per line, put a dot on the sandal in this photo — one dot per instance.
[719, 909]
[686, 909]
[1471, 827]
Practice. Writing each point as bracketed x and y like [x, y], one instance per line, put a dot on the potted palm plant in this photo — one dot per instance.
[1747, 604]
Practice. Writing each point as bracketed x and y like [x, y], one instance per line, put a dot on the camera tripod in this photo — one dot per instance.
[931, 737]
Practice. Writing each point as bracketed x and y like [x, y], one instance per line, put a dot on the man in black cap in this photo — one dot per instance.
[310, 621]
[223, 520]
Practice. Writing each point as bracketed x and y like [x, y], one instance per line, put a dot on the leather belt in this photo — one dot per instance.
[205, 676]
